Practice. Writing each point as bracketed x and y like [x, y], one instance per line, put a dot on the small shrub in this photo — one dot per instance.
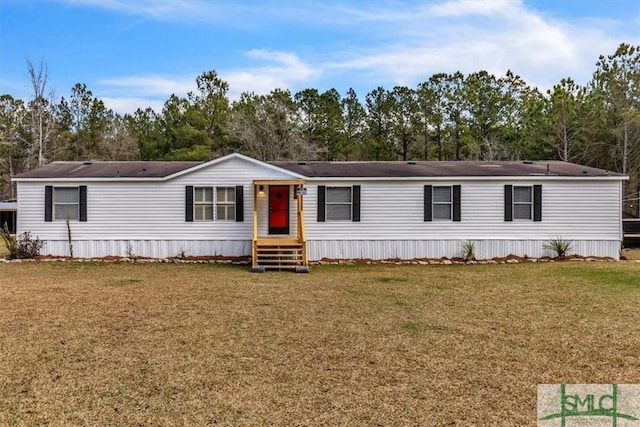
[129, 250]
[560, 246]
[22, 247]
[468, 252]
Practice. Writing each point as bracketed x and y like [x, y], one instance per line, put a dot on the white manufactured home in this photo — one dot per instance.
[288, 213]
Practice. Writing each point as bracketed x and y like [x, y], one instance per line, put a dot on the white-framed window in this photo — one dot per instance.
[442, 202]
[225, 203]
[339, 203]
[203, 203]
[522, 202]
[66, 203]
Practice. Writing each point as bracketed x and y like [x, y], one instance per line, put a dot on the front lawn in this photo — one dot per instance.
[158, 344]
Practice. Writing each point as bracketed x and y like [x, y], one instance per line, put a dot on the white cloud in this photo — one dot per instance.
[472, 35]
[382, 44]
[285, 72]
[272, 69]
[127, 94]
[124, 105]
[475, 7]
[152, 85]
[158, 9]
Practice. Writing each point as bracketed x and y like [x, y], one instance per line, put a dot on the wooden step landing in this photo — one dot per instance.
[279, 254]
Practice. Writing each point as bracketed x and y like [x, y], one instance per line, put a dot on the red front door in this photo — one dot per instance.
[278, 209]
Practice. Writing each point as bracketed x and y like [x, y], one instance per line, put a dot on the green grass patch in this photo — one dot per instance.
[608, 279]
[392, 279]
[412, 326]
[123, 281]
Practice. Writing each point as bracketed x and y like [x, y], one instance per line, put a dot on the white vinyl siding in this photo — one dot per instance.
[522, 202]
[66, 203]
[338, 204]
[442, 204]
[142, 210]
[573, 209]
[225, 203]
[390, 210]
[203, 203]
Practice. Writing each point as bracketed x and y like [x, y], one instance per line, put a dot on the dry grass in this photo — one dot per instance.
[633, 254]
[3, 249]
[106, 344]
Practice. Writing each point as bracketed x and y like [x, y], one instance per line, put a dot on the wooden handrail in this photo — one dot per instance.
[301, 230]
[254, 249]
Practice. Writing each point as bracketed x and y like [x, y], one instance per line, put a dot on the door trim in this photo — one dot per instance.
[280, 230]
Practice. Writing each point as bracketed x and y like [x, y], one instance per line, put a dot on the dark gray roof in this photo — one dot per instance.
[439, 169]
[107, 169]
[99, 169]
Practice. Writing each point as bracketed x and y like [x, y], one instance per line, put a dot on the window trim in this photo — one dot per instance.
[226, 204]
[202, 204]
[449, 203]
[55, 204]
[529, 203]
[328, 204]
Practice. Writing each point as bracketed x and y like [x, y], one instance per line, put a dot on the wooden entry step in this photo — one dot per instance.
[279, 254]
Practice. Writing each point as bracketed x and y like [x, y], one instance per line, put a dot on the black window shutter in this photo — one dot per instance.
[83, 203]
[322, 193]
[48, 203]
[239, 203]
[355, 204]
[508, 202]
[456, 202]
[428, 200]
[537, 202]
[188, 204]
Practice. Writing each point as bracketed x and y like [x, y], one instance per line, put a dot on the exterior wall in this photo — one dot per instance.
[148, 216]
[392, 225]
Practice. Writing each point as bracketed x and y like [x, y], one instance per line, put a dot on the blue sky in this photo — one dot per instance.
[136, 53]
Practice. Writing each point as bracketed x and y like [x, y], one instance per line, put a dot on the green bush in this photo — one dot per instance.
[22, 247]
[560, 246]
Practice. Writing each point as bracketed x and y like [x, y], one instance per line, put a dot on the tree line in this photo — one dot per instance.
[477, 116]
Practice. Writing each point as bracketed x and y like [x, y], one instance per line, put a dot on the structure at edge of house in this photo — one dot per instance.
[284, 214]
[8, 215]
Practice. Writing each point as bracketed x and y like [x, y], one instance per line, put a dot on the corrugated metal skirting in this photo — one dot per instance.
[148, 248]
[332, 249]
[485, 249]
